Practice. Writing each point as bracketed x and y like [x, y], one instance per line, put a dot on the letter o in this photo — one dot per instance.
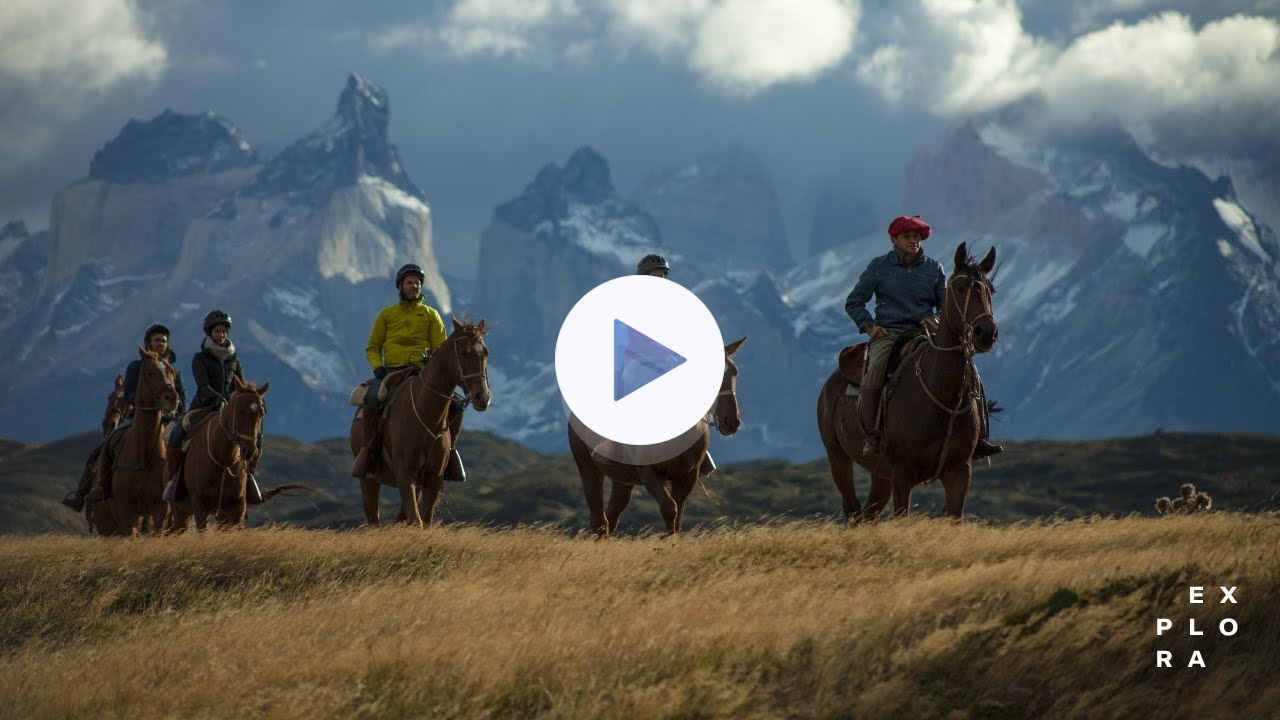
[1222, 627]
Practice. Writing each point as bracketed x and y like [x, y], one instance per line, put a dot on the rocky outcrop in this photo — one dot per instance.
[171, 145]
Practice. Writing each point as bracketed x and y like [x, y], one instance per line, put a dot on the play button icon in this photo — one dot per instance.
[639, 360]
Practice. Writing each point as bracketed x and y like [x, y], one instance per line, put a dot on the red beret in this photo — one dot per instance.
[908, 224]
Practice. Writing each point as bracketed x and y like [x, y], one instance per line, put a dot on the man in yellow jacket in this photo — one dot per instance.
[404, 335]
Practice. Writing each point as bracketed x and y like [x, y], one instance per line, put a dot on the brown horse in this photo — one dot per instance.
[117, 407]
[417, 439]
[216, 468]
[669, 482]
[932, 417]
[137, 467]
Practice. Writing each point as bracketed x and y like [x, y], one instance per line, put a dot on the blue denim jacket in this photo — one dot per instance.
[905, 294]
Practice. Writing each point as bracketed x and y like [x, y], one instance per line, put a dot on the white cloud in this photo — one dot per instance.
[1185, 90]
[58, 56]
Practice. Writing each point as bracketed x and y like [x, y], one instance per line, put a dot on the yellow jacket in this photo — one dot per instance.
[401, 332]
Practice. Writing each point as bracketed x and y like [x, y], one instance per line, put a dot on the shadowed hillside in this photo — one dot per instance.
[511, 484]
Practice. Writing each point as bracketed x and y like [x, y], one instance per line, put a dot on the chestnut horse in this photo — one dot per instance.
[137, 468]
[669, 482]
[103, 522]
[932, 417]
[416, 440]
[215, 470]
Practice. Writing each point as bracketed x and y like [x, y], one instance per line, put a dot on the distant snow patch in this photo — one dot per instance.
[1141, 238]
[1239, 221]
[391, 195]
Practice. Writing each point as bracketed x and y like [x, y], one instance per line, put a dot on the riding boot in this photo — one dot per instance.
[253, 494]
[172, 462]
[985, 448]
[708, 465]
[75, 500]
[368, 426]
[869, 405]
[453, 470]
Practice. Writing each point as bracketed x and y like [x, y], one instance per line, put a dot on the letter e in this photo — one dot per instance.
[1197, 592]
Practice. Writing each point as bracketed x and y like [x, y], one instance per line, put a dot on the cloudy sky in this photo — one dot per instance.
[484, 92]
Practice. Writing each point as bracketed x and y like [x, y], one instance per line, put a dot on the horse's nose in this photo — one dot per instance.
[984, 335]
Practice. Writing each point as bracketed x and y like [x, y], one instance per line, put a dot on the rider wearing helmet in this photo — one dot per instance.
[404, 335]
[155, 339]
[214, 368]
[655, 266]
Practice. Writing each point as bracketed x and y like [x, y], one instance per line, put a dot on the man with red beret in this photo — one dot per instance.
[908, 287]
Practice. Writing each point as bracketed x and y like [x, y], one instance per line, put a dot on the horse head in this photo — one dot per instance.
[967, 308]
[728, 417]
[470, 358]
[155, 383]
[117, 408]
[242, 416]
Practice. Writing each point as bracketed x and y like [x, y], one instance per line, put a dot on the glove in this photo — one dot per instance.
[866, 328]
[380, 372]
[876, 333]
[166, 419]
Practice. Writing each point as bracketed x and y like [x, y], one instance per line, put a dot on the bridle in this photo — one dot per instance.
[168, 385]
[245, 446]
[115, 411]
[465, 376]
[727, 389]
[965, 333]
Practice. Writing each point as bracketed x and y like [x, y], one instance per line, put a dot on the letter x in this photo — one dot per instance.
[1226, 595]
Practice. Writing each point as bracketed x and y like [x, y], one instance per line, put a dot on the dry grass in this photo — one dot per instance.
[912, 618]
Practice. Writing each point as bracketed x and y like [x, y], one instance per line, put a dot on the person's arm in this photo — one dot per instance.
[182, 392]
[940, 289]
[435, 332]
[131, 383]
[377, 338]
[856, 304]
[200, 374]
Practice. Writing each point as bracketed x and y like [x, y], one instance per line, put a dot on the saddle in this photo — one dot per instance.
[389, 383]
[852, 359]
[193, 420]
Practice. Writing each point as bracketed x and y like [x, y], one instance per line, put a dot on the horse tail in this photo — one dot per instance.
[287, 491]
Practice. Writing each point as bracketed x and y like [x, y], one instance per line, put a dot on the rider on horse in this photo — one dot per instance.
[156, 340]
[404, 336]
[214, 368]
[657, 266]
[909, 287]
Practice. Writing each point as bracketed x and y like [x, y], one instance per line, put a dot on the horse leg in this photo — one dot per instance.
[431, 493]
[901, 495]
[657, 487]
[198, 510]
[233, 513]
[955, 482]
[370, 489]
[842, 476]
[619, 498]
[593, 489]
[409, 501]
[681, 488]
[877, 497]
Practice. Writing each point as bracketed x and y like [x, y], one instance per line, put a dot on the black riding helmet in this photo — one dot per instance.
[407, 270]
[214, 318]
[649, 263]
[152, 329]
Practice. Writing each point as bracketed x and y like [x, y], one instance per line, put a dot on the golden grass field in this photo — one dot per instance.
[909, 618]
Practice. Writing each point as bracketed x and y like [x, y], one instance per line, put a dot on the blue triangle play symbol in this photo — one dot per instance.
[638, 359]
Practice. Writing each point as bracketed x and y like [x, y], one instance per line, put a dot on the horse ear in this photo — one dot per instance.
[480, 327]
[119, 380]
[962, 256]
[989, 262]
[235, 380]
[455, 322]
[142, 353]
[263, 390]
[733, 347]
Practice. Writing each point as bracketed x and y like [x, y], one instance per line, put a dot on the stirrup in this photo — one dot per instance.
[74, 500]
[707, 467]
[871, 443]
[453, 470]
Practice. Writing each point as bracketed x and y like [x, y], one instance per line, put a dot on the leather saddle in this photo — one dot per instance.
[853, 358]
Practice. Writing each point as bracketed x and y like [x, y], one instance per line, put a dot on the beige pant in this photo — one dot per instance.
[878, 356]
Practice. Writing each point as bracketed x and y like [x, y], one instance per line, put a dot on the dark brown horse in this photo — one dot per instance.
[417, 439]
[669, 482]
[101, 521]
[137, 468]
[216, 468]
[932, 417]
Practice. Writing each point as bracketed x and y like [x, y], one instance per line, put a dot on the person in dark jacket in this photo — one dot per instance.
[156, 339]
[908, 287]
[215, 368]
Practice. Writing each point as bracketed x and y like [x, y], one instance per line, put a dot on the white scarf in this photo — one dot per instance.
[222, 352]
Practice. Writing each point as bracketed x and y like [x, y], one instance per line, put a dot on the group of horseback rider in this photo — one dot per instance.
[214, 368]
[908, 287]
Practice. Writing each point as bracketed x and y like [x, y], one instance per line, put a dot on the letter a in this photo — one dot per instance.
[1196, 659]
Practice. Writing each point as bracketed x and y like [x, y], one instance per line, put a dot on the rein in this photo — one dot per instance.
[457, 357]
[966, 346]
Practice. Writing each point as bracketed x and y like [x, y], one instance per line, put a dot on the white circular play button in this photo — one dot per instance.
[639, 360]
